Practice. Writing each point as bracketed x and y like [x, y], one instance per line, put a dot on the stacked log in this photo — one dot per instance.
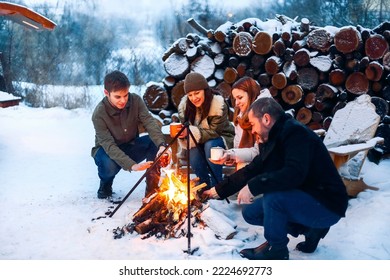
[313, 70]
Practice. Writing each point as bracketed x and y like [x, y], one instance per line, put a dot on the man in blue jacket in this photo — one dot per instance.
[302, 190]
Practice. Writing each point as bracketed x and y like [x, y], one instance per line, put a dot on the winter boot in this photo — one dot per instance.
[105, 189]
[312, 238]
[295, 229]
[265, 252]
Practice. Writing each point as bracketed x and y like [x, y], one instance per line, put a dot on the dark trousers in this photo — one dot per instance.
[276, 211]
[140, 149]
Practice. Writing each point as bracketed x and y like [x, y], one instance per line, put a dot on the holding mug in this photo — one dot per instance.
[174, 129]
[216, 153]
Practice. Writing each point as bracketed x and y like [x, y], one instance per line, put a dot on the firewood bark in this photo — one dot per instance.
[204, 65]
[374, 71]
[156, 98]
[177, 93]
[337, 77]
[319, 39]
[194, 52]
[242, 69]
[218, 75]
[304, 115]
[225, 89]
[376, 47]
[381, 106]
[290, 70]
[310, 99]
[257, 61]
[154, 204]
[279, 80]
[279, 47]
[299, 44]
[386, 93]
[347, 39]
[323, 63]
[307, 78]
[169, 82]
[386, 61]
[144, 226]
[242, 44]
[292, 94]
[273, 64]
[357, 83]
[230, 75]
[264, 80]
[208, 33]
[177, 65]
[302, 57]
[326, 91]
[262, 43]
[219, 60]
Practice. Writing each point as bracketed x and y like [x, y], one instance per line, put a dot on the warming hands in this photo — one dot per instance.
[141, 166]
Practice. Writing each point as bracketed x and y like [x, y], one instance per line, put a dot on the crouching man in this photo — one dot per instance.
[117, 142]
[302, 190]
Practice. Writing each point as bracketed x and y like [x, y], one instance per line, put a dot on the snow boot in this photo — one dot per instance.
[295, 229]
[312, 238]
[265, 252]
[105, 189]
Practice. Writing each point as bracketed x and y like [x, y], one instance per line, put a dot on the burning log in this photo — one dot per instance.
[163, 214]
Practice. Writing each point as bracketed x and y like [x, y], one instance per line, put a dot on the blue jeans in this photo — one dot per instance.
[140, 149]
[199, 165]
[276, 210]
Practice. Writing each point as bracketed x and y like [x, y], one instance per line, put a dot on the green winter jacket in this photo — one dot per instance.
[114, 127]
[216, 124]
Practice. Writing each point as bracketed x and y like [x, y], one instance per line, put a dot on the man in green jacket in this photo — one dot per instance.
[118, 144]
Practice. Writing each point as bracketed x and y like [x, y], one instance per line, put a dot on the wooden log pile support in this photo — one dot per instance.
[303, 66]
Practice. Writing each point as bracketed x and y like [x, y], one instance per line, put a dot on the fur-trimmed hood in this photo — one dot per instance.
[215, 124]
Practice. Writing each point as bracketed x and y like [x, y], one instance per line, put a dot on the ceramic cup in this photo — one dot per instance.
[216, 153]
[174, 128]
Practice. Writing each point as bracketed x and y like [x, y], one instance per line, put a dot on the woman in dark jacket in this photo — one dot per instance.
[303, 191]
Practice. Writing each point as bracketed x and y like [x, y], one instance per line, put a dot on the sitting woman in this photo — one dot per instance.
[244, 92]
[207, 115]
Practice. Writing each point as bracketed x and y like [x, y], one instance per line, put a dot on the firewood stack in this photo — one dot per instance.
[311, 71]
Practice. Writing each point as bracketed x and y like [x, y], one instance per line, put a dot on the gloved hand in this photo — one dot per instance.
[245, 196]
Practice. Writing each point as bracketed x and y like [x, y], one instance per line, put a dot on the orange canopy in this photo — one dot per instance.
[25, 16]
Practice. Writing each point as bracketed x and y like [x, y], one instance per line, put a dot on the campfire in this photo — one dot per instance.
[164, 214]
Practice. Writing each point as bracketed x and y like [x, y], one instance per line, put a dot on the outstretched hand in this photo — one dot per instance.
[142, 166]
[211, 193]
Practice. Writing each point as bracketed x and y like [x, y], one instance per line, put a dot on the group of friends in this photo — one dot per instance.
[285, 179]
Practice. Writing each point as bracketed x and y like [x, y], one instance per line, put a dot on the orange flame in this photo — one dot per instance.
[177, 190]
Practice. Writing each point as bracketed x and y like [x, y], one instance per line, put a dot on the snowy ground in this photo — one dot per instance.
[49, 205]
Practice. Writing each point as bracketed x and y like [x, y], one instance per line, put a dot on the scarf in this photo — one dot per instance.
[247, 139]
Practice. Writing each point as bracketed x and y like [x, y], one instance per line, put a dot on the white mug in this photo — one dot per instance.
[216, 153]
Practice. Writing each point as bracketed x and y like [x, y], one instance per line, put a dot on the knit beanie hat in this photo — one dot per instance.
[195, 81]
